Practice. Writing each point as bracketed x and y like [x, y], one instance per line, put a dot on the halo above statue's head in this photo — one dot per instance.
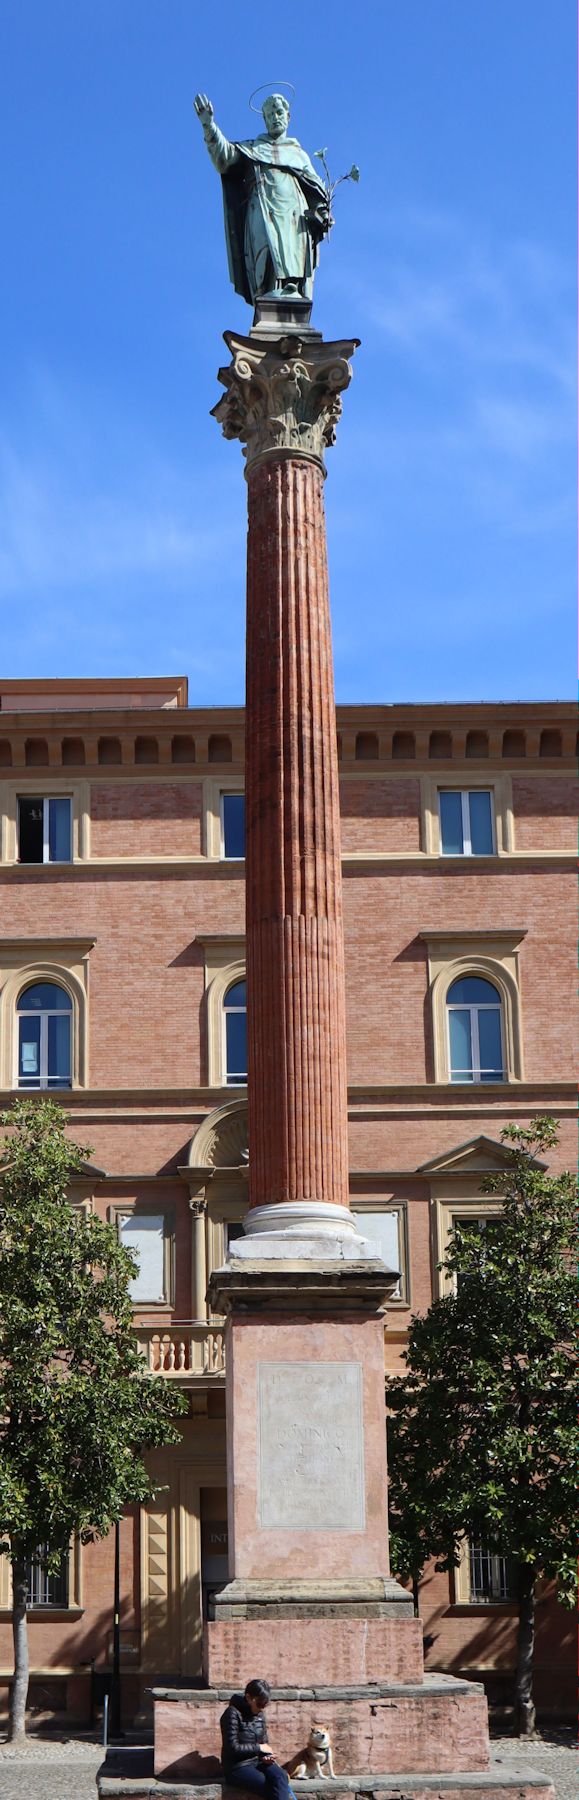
[270, 88]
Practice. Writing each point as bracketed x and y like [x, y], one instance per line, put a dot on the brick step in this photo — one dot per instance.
[439, 1721]
[494, 1783]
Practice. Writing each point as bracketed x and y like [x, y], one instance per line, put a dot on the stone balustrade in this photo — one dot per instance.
[184, 1350]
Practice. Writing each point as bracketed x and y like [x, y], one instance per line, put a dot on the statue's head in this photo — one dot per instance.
[276, 114]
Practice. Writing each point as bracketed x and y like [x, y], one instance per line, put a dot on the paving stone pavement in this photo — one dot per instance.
[65, 1769]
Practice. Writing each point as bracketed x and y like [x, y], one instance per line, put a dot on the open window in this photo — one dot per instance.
[44, 828]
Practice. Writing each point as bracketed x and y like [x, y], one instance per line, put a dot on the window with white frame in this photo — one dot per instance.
[235, 1023]
[44, 829]
[144, 1234]
[475, 1030]
[385, 1228]
[233, 826]
[46, 1590]
[44, 1036]
[466, 822]
[491, 1577]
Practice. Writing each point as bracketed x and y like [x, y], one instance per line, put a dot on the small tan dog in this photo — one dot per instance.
[316, 1760]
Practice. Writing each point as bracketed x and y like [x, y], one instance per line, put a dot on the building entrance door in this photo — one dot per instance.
[171, 1550]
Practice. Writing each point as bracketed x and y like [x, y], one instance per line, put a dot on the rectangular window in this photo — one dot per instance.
[232, 1229]
[44, 1050]
[144, 1234]
[466, 822]
[233, 826]
[47, 1590]
[44, 829]
[385, 1230]
[492, 1577]
[484, 1229]
[476, 1045]
[236, 1047]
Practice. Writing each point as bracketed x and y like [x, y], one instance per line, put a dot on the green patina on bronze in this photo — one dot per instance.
[277, 208]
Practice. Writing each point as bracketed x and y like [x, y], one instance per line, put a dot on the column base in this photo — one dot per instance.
[379, 1597]
[304, 1230]
[356, 1631]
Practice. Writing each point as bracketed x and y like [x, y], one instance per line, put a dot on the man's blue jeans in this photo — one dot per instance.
[271, 1781]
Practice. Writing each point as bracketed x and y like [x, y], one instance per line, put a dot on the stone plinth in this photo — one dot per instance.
[373, 1728]
[294, 1650]
[309, 1590]
[306, 1447]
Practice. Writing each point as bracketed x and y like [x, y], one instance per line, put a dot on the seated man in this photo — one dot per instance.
[247, 1760]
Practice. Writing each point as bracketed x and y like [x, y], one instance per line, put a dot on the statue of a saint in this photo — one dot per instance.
[276, 206]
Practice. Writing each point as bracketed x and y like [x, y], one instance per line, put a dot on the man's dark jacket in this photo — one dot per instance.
[242, 1732]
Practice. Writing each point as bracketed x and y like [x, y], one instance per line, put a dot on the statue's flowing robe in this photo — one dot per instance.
[268, 188]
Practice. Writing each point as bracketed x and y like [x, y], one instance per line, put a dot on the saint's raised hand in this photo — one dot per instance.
[203, 108]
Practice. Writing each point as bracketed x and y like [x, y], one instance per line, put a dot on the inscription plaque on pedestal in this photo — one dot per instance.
[310, 1447]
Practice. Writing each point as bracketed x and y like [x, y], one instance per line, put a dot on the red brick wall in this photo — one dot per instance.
[402, 1137]
[379, 814]
[387, 971]
[146, 818]
[146, 970]
[545, 812]
[147, 1031]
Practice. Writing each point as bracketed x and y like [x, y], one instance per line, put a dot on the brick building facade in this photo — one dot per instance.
[122, 991]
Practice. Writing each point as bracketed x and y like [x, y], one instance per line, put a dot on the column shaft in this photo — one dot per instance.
[295, 966]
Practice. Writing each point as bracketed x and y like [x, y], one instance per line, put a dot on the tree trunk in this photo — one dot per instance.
[524, 1705]
[19, 1691]
[416, 1595]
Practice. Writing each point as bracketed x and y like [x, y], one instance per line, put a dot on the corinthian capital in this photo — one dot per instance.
[283, 398]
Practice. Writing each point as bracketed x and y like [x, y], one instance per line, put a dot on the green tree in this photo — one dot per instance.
[77, 1411]
[483, 1436]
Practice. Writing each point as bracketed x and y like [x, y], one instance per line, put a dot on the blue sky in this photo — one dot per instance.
[450, 493]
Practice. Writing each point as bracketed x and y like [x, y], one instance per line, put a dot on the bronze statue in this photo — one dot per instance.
[277, 208]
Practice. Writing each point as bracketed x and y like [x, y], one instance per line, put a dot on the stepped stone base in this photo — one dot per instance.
[373, 1727]
[491, 1784]
[295, 1649]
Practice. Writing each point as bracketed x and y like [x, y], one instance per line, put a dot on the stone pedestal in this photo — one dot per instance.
[309, 1586]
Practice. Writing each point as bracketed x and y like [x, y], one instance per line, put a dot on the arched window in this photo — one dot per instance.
[235, 1011]
[475, 1037]
[44, 1037]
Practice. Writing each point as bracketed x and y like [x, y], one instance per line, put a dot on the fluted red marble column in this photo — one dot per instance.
[283, 401]
[295, 962]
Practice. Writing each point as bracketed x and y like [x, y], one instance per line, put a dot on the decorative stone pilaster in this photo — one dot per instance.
[283, 401]
[197, 1181]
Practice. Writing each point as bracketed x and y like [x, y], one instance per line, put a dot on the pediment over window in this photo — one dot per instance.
[482, 1154]
[221, 1140]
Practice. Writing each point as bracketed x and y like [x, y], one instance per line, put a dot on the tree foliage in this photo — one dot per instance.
[483, 1436]
[77, 1411]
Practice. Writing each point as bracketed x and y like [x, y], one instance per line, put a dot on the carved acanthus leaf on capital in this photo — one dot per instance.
[283, 398]
[198, 1205]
